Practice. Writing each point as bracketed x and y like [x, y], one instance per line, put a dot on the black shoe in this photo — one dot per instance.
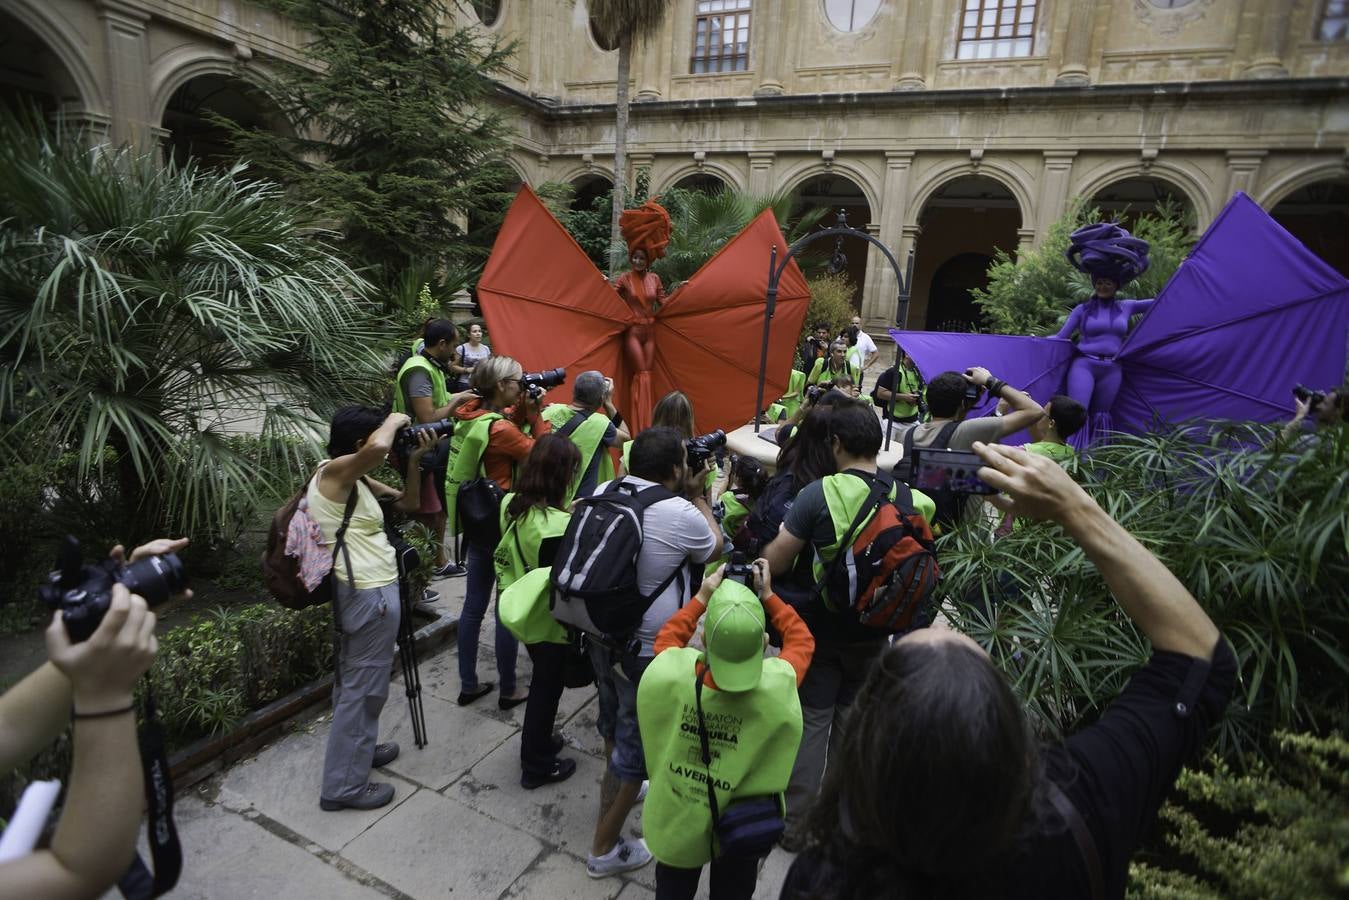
[562, 770]
[372, 796]
[511, 702]
[482, 690]
[384, 754]
[451, 570]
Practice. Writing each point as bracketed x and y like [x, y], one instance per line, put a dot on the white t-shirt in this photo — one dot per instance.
[674, 533]
[865, 344]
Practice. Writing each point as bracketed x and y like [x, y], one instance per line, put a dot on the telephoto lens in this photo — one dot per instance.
[82, 593]
[699, 450]
[538, 382]
[405, 441]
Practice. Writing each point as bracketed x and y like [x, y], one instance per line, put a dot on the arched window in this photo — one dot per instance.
[720, 36]
[996, 29]
[851, 15]
[488, 11]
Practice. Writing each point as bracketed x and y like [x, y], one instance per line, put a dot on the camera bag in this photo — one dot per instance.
[886, 568]
[281, 572]
[594, 576]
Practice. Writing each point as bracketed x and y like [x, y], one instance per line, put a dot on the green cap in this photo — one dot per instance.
[733, 629]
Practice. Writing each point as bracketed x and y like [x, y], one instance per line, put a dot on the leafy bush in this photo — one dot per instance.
[209, 674]
[1034, 293]
[1257, 530]
[1279, 831]
[157, 310]
[830, 301]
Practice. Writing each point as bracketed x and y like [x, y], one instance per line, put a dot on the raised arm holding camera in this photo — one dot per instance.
[91, 679]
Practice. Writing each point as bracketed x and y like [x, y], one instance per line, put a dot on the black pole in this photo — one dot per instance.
[773, 276]
[902, 319]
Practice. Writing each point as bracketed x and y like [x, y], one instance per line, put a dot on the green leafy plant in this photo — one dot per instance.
[395, 136]
[1257, 529]
[1033, 293]
[156, 311]
[1280, 830]
[830, 301]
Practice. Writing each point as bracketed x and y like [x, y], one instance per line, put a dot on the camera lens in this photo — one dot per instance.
[156, 578]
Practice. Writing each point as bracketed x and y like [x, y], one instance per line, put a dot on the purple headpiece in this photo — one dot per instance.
[1106, 250]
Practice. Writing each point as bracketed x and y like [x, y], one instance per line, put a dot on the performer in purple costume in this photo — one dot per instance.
[1112, 257]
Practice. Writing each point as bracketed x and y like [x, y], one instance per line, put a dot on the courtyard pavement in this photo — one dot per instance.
[460, 825]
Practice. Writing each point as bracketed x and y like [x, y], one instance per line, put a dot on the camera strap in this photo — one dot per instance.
[165, 851]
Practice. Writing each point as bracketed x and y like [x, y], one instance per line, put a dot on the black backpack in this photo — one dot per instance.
[950, 505]
[594, 577]
[761, 525]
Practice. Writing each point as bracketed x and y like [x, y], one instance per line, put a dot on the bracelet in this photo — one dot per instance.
[995, 385]
[106, 714]
[616, 418]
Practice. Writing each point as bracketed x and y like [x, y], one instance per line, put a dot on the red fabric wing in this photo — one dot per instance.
[708, 335]
[547, 305]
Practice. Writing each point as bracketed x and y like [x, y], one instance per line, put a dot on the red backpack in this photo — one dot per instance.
[281, 572]
[886, 572]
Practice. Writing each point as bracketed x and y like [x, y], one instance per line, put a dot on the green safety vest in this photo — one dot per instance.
[907, 382]
[523, 595]
[753, 735]
[1060, 453]
[854, 356]
[439, 395]
[821, 368]
[844, 493]
[732, 517]
[464, 462]
[587, 437]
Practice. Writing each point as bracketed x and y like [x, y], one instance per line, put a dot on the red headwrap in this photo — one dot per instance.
[646, 228]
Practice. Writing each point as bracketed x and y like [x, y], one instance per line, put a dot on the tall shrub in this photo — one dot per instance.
[148, 312]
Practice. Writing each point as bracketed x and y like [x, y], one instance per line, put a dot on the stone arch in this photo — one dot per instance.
[1185, 180]
[793, 178]
[519, 168]
[1278, 190]
[1316, 212]
[177, 67]
[827, 190]
[587, 170]
[727, 176]
[58, 40]
[1016, 183]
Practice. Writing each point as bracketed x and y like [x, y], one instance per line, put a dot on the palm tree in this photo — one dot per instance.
[624, 22]
[149, 314]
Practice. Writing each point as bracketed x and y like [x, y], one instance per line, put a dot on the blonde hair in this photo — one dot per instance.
[489, 372]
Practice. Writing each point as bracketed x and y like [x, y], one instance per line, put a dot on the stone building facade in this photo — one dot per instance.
[944, 127]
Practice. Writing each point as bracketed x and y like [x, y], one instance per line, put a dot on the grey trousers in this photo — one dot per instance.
[369, 635]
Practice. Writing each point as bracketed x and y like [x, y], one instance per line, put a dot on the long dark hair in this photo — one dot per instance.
[808, 455]
[546, 476]
[350, 425]
[936, 779]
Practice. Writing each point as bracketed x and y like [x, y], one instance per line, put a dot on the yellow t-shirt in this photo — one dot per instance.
[372, 562]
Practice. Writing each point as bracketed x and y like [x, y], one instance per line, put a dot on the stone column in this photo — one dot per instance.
[878, 303]
[1242, 168]
[1025, 240]
[1053, 202]
[1076, 43]
[636, 163]
[1270, 43]
[908, 243]
[910, 73]
[649, 55]
[124, 25]
[761, 171]
[767, 43]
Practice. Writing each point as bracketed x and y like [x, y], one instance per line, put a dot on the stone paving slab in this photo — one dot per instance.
[561, 875]
[434, 846]
[457, 741]
[282, 782]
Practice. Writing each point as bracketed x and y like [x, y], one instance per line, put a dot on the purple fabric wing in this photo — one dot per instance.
[1249, 314]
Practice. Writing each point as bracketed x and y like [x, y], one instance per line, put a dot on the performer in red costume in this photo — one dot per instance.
[547, 305]
[646, 231]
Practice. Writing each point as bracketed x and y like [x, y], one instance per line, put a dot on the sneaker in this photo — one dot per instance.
[451, 570]
[641, 794]
[384, 754]
[627, 855]
[562, 770]
[430, 596]
[482, 690]
[372, 796]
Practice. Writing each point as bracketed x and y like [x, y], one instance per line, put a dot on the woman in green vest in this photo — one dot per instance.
[533, 518]
[746, 708]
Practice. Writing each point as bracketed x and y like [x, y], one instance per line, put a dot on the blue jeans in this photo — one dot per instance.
[477, 594]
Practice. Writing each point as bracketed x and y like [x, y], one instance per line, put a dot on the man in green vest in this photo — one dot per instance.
[1063, 418]
[592, 423]
[750, 717]
[420, 392]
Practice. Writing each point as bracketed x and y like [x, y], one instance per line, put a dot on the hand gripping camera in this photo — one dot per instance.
[699, 450]
[535, 383]
[1308, 396]
[737, 569]
[405, 441]
[83, 593]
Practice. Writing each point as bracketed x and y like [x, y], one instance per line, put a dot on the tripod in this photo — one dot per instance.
[407, 657]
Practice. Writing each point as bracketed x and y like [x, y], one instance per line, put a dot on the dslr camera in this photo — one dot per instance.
[1308, 396]
[405, 441]
[700, 449]
[737, 569]
[815, 392]
[536, 383]
[82, 593]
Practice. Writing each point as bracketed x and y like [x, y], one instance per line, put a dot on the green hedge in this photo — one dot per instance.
[209, 674]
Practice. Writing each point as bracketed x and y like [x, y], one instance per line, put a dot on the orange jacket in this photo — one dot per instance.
[507, 444]
[798, 646]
